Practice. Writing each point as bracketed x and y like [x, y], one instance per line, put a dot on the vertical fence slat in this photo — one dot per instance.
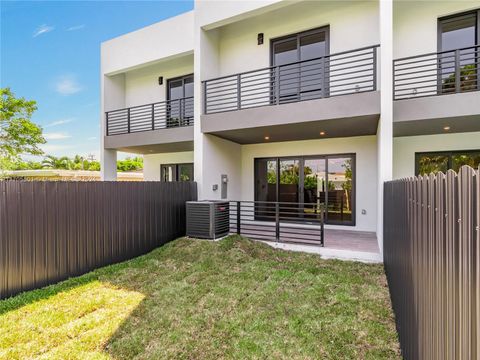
[54, 230]
[432, 262]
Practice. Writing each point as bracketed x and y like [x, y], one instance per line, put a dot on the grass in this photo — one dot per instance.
[195, 299]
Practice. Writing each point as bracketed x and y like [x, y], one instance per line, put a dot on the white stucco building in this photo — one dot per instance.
[272, 94]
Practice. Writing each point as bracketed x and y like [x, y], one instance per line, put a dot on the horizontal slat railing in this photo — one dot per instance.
[160, 115]
[299, 223]
[440, 73]
[343, 73]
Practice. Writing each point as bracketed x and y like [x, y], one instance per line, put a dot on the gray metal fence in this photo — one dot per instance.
[432, 261]
[50, 231]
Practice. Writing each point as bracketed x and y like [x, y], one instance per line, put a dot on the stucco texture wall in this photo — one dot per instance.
[404, 149]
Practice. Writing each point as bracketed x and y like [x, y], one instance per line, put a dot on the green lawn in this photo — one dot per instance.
[195, 299]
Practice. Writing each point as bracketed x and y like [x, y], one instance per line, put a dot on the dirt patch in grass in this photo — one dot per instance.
[195, 299]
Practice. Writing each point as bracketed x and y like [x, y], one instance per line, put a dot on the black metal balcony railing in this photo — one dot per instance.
[337, 74]
[440, 73]
[301, 223]
[160, 115]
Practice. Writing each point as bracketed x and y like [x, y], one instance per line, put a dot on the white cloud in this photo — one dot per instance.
[59, 122]
[42, 29]
[92, 138]
[76, 27]
[56, 136]
[67, 85]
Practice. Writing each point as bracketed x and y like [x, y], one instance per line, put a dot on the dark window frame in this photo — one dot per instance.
[168, 97]
[297, 36]
[440, 22]
[448, 154]
[176, 174]
[302, 159]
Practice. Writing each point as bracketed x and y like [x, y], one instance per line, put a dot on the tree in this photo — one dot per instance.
[18, 134]
[54, 162]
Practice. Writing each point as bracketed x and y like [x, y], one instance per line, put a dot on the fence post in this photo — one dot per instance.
[128, 120]
[322, 229]
[153, 116]
[106, 123]
[457, 71]
[277, 85]
[239, 92]
[375, 69]
[277, 221]
[238, 217]
[205, 98]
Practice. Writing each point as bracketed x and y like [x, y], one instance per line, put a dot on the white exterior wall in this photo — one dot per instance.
[353, 24]
[365, 177]
[151, 163]
[404, 149]
[415, 24]
[164, 40]
[141, 86]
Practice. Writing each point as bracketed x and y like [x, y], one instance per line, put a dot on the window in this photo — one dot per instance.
[176, 172]
[426, 163]
[300, 81]
[459, 32]
[328, 181]
[180, 101]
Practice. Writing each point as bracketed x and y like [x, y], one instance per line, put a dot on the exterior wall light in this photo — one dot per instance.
[260, 39]
[160, 80]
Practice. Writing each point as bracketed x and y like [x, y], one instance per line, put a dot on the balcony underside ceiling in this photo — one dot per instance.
[357, 126]
[430, 115]
[157, 141]
[342, 116]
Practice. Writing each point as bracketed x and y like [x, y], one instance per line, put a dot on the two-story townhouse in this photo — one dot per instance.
[297, 102]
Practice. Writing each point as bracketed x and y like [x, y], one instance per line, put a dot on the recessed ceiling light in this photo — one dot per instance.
[267, 137]
[446, 128]
[322, 133]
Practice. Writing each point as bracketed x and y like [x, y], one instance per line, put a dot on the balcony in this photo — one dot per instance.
[316, 92]
[441, 73]
[159, 127]
[149, 117]
[436, 91]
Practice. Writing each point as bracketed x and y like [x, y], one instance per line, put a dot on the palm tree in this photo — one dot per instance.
[54, 162]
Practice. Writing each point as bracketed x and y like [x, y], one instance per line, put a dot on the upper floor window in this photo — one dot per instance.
[426, 163]
[305, 80]
[459, 32]
[180, 101]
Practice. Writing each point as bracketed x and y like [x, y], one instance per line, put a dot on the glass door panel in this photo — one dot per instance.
[265, 187]
[312, 46]
[300, 81]
[175, 93]
[286, 52]
[340, 189]
[185, 172]
[188, 103]
[428, 163]
[179, 110]
[314, 185]
[168, 173]
[456, 33]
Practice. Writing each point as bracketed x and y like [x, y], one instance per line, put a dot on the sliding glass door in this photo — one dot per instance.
[307, 79]
[180, 101]
[316, 181]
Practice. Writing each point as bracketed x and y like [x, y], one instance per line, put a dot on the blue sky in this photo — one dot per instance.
[50, 52]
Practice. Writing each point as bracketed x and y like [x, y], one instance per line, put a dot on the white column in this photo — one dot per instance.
[112, 97]
[108, 170]
[385, 125]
